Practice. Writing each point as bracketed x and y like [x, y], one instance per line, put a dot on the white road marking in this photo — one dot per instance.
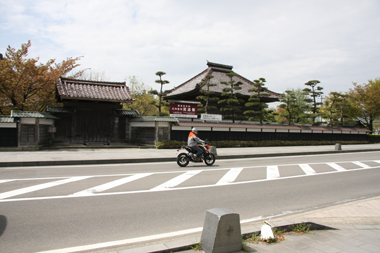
[176, 181]
[150, 238]
[230, 176]
[110, 185]
[40, 187]
[361, 164]
[180, 188]
[307, 169]
[336, 166]
[273, 172]
[124, 242]
[6, 180]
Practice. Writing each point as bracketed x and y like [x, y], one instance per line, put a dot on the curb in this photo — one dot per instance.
[163, 159]
[186, 246]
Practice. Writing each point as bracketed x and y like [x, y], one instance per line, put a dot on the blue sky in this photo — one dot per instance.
[286, 42]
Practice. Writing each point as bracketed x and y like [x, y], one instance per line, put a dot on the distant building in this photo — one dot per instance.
[190, 89]
[92, 111]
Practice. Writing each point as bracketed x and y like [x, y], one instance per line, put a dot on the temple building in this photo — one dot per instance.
[190, 89]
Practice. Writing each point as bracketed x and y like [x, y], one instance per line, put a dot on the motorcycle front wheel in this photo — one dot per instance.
[182, 160]
[209, 159]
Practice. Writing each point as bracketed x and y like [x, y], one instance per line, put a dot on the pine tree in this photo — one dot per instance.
[332, 108]
[160, 94]
[314, 91]
[257, 108]
[232, 99]
[207, 96]
[289, 106]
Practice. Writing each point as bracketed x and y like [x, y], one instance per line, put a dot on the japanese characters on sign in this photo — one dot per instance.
[211, 117]
[184, 110]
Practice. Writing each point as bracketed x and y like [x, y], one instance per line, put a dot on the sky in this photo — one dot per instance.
[287, 42]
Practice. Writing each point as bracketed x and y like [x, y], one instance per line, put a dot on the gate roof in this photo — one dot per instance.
[68, 88]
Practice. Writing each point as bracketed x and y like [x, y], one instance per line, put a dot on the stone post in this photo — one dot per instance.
[221, 231]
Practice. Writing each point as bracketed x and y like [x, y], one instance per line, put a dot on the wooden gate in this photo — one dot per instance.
[93, 126]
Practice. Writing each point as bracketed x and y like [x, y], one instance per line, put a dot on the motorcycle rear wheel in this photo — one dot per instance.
[182, 160]
[209, 159]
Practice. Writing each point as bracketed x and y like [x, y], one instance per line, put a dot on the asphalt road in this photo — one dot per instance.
[46, 208]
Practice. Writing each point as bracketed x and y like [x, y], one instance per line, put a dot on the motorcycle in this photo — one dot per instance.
[183, 159]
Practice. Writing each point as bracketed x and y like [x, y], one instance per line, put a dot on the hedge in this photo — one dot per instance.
[269, 143]
[373, 138]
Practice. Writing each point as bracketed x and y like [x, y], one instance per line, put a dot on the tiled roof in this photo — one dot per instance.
[184, 102]
[257, 126]
[64, 109]
[219, 72]
[127, 112]
[154, 119]
[93, 90]
[29, 114]
[6, 119]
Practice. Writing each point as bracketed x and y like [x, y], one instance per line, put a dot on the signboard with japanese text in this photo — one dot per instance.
[211, 117]
[184, 110]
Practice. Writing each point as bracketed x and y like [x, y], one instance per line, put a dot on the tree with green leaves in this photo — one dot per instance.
[288, 108]
[364, 102]
[256, 107]
[313, 105]
[231, 99]
[299, 111]
[331, 108]
[144, 102]
[344, 108]
[161, 93]
[26, 84]
[208, 97]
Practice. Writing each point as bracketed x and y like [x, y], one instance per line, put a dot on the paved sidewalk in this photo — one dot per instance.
[134, 155]
[355, 227]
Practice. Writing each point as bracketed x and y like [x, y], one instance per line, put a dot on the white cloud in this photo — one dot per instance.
[287, 42]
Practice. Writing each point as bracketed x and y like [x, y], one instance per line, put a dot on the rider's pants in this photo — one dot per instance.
[198, 149]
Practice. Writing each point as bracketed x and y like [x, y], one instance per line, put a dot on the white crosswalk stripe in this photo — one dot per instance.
[361, 164]
[273, 172]
[5, 181]
[307, 169]
[111, 185]
[40, 187]
[336, 166]
[176, 181]
[230, 176]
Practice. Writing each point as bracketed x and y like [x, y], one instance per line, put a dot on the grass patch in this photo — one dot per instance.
[197, 247]
[301, 228]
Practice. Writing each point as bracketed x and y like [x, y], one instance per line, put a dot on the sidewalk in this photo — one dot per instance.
[135, 155]
[352, 227]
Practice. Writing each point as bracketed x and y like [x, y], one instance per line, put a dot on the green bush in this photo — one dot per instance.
[269, 143]
[373, 138]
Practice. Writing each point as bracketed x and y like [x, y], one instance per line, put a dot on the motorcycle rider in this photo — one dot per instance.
[192, 142]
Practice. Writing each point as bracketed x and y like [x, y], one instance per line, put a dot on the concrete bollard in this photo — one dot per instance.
[213, 150]
[338, 146]
[221, 231]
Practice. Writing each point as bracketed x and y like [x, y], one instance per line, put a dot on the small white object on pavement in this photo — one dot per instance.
[266, 232]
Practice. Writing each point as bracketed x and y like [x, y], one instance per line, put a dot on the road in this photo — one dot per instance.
[47, 208]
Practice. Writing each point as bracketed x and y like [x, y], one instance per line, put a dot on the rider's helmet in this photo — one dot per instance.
[194, 130]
